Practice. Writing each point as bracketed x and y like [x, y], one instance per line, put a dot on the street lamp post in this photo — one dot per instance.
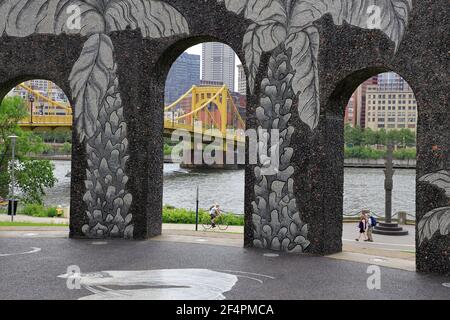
[13, 180]
[388, 227]
[388, 184]
[31, 99]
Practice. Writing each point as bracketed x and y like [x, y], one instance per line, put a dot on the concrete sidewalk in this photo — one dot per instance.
[29, 219]
[33, 269]
[394, 252]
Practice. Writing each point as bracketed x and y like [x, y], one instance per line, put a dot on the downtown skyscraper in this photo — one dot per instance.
[218, 64]
[184, 74]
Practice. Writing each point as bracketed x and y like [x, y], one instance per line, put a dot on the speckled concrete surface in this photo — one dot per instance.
[347, 56]
[35, 275]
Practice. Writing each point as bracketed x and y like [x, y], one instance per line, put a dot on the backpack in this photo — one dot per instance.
[373, 221]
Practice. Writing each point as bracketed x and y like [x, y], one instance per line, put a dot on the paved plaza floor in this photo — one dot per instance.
[182, 264]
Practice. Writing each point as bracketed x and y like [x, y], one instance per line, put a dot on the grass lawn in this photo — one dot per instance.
[31, 224]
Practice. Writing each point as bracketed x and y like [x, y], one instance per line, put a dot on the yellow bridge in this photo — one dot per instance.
[50, 119]
[201, 109]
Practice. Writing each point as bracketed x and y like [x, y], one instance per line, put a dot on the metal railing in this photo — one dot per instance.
[410, 218]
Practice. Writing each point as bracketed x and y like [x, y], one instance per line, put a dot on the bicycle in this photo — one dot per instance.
[220, 224]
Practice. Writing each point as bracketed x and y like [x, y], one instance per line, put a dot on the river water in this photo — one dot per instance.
[363, 189]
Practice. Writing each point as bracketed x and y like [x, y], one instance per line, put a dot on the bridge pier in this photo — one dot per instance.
[225, 161]
[213, 167]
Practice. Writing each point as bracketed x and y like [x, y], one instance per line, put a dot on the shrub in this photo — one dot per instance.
[66, 148]
[37, 210]
[369, 153]
[364, 153]
[184, 216]
[405, 154]
[51, 212]
[167, 150]
[34, 210]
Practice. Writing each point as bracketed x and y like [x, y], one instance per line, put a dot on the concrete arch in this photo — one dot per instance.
[165, 55]
[296, 66]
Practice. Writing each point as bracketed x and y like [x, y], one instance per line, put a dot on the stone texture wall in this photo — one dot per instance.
[302, 67]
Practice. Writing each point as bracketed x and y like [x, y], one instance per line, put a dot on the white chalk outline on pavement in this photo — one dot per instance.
[382, 243]
[379, 260]
[252, 273]
[34, 250]
[99, 243]
[271, 255]
[251, 278]
[159, 284]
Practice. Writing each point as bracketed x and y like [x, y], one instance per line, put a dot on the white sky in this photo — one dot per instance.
[198, 50]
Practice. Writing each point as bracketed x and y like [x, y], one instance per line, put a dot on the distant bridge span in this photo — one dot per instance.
[210, 108]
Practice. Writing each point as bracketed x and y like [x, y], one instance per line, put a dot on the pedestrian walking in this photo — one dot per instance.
[371, 223]
[362, 226]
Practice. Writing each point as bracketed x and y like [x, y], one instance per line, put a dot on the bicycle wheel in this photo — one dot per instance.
[222, 227]
[221, 224]
[207, 226]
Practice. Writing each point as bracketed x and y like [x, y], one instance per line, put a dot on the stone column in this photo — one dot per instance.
[433, 190]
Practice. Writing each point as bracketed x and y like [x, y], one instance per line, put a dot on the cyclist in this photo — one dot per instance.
[214, 213]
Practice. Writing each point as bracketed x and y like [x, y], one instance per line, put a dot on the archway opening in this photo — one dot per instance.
[36, 131]
[382, 112]
[204, 144]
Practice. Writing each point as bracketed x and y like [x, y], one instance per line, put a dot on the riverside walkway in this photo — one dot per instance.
[34, 268]
[394, 252]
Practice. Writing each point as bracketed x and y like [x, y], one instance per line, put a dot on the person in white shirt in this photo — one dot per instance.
[214, 213]
[369, 227]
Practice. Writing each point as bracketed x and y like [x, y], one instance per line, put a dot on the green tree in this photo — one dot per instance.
[381, 137]
[407, 138]
[12, 110]
[369, 137]
[66, 148]
[56, 136]
[353, 135]
[393, 136]
[33, 176]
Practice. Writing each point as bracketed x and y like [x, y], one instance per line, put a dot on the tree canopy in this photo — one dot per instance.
[358, 137]
[32, 176]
